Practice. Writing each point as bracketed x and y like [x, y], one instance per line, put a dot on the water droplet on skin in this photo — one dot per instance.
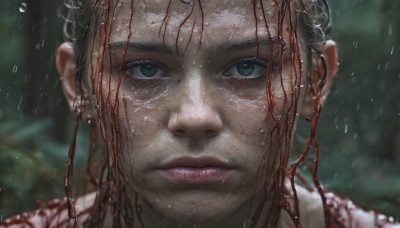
[262, 131]
[23, 7]
[169, 206]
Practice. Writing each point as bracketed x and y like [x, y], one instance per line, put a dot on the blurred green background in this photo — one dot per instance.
[359, 131]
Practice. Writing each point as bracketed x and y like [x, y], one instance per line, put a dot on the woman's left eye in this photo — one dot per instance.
[248, 68]
[143, 70]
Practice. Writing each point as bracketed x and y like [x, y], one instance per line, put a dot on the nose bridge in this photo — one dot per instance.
[195, 114]
[195, 94]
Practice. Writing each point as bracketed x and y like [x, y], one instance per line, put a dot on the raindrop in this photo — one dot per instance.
[22, 7]
[345, 128]
[355, 44]
[19, 103]
[37, 46]
[390, 29]
[15, 69]
[391, 51]
[169, 206]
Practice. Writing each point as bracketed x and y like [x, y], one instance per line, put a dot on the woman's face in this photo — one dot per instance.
[198, 111]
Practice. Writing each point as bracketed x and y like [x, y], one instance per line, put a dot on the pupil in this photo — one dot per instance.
[245, 69]
[148, 70]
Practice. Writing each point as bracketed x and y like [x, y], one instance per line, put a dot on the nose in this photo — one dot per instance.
[194, 114]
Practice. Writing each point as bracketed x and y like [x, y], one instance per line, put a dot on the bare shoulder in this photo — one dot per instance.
[52, 214]
[341, 213]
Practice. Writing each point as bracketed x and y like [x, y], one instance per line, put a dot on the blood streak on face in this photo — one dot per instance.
[196, 104]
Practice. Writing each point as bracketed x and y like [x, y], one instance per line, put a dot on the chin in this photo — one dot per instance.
[199, 208]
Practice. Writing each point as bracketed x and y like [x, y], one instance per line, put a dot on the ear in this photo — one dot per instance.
[330, 66]
[66, 68]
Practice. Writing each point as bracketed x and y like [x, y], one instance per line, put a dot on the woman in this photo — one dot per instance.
[196, 104]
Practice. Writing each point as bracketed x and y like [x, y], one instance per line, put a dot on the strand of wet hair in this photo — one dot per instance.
[69, 170]
[181, 24]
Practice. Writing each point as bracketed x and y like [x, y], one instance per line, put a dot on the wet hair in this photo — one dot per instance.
[83, 18]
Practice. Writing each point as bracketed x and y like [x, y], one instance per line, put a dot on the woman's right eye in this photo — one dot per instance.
[143, 70]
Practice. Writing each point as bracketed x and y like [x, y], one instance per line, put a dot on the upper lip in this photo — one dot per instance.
[196, 162]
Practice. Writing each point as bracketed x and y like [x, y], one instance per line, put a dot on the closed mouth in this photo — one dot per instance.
[196, 171]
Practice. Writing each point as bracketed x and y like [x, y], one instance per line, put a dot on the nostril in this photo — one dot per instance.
[179, 132]
[210, 133]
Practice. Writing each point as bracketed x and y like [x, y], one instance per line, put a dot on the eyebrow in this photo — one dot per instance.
[213, 51]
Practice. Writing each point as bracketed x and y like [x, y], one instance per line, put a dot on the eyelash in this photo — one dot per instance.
[253, 60]
[129, 66]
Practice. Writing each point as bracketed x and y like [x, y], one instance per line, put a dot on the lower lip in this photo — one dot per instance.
[197, 175]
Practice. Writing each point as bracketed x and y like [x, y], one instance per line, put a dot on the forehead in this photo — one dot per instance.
[174, 21]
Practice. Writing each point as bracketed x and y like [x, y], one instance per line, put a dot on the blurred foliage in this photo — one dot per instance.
[358, 132]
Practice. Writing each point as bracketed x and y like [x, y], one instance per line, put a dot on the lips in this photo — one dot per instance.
[196, 171]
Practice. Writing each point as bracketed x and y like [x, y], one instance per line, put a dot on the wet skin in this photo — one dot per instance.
[207, 102]
[194, 114]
